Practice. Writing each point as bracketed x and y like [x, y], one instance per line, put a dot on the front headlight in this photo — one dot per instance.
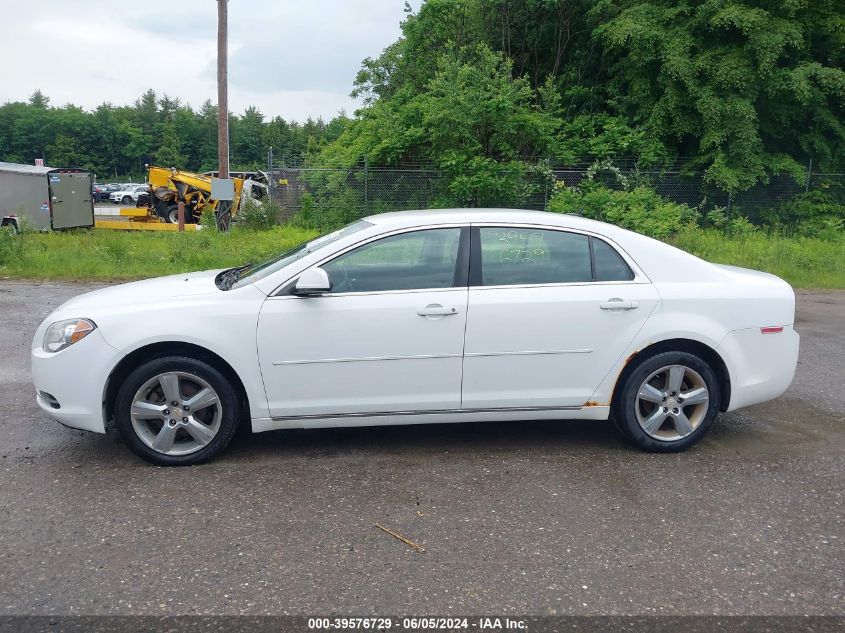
[65, 333]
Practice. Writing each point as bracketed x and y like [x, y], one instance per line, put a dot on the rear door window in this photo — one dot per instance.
[521, 256]
[513, 256]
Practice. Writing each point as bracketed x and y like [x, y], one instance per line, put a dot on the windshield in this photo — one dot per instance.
[259, 271]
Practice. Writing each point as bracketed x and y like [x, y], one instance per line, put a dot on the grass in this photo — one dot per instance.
[803, 262]
[114, 255]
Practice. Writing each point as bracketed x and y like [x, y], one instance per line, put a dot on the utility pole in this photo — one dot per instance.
[222, 90]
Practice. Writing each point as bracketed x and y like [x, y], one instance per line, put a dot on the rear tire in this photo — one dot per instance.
[195, 429]
[667, 402]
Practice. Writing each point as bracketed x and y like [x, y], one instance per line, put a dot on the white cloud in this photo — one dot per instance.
[290, 58]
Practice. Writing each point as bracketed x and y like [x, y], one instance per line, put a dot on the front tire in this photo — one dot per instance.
[172, 215]
[667, 402]
[177, 411]
[127, 199]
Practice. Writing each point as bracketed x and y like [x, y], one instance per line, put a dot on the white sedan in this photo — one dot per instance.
[418, 317]
[129, 194]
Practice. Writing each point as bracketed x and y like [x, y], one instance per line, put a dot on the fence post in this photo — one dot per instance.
[367, 184]
[546, 184]
[270, 178]
[809, 175]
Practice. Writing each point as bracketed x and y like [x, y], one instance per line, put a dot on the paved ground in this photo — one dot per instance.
[106, 211]
[520, 518]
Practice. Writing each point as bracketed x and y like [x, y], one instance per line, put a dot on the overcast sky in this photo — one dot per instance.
[292, 58]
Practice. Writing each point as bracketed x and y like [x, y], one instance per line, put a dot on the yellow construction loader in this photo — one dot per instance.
[169, 187]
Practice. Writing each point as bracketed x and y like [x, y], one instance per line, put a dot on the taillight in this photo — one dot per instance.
[774, 329]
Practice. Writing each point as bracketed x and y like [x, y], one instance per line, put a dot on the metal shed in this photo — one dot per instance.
[47, 197]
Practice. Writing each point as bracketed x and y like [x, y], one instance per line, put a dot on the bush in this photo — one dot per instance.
[740, 226]
[331, 212]
[258, 216]
[11, 245]
[812, 214]
[641, 209]
[208, 221]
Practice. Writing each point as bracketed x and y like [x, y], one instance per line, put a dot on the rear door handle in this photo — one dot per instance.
[435, 309]
[618, 304]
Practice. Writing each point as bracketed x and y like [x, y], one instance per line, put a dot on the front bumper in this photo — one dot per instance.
[761, 366]
[75, 378]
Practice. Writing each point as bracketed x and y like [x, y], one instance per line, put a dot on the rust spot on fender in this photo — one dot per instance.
[592, 403]
[631, 357]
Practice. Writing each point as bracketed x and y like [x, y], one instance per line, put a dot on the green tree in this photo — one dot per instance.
[247, 142]
[118, 140]
[749, 88]
[39, 100]
[206, 146]
[169, 153]
[134, 145]
[64, 151]
[477, 108]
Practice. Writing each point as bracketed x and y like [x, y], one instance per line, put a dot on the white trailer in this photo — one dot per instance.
[48, 198]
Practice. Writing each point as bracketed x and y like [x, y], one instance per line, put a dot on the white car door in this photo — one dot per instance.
[549, 313]
[388, 338]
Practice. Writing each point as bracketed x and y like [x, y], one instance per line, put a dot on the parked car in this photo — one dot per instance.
[128, 194]
[417, 317]
[101, 192]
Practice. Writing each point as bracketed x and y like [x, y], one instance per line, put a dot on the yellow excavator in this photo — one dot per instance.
[170, 186]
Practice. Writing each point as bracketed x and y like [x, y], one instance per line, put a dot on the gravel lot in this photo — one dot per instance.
[516, 518]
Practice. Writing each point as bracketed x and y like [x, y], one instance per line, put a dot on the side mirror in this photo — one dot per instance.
[313, 281]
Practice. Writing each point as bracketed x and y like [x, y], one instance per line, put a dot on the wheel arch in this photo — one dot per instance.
[702, 350]
[167, 348]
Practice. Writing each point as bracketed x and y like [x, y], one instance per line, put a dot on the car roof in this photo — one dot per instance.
[509, 216]
[659, 261]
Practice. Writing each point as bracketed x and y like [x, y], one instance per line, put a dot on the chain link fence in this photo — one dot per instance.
[329, 196]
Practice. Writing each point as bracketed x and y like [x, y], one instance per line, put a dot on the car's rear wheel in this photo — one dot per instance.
[667, 402]
[177, 411]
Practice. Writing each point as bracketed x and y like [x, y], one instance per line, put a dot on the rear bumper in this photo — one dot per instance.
[761, 366]
[74, 379]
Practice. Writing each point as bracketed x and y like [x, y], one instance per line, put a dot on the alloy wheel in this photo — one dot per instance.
[672, 402]
[176, 413]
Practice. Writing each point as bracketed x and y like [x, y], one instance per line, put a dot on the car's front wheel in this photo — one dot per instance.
[177, 411]
[667, 402]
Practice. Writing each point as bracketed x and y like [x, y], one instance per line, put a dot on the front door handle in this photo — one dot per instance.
[435, 309]
[618, 304]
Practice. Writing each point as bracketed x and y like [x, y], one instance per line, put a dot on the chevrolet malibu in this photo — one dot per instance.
[421, 317]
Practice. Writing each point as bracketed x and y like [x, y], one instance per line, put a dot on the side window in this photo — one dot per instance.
[515, 256]
[408, 261]
[609, 264]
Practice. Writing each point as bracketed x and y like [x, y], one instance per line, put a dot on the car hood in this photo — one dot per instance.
[138, 292]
